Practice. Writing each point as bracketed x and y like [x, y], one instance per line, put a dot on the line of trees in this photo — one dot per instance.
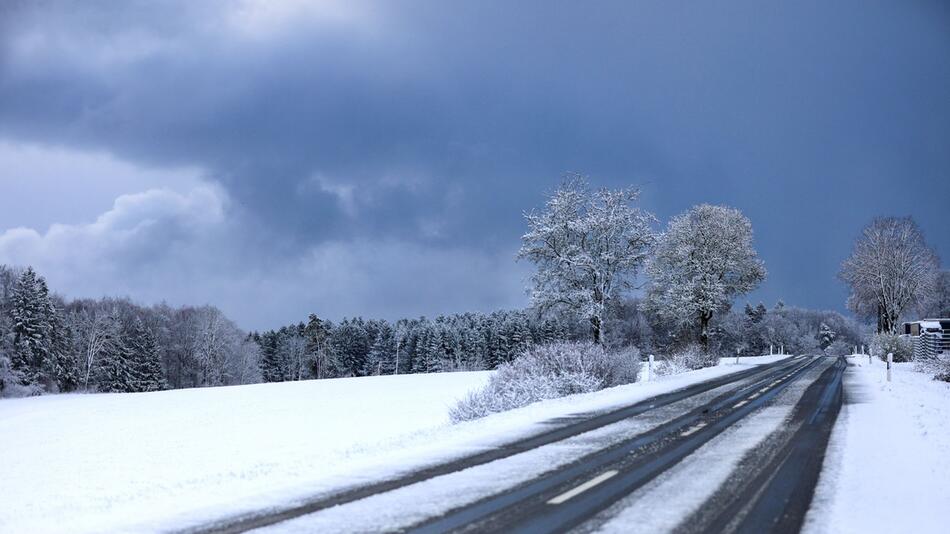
[364, 347]
[112, 345]
[475, 341]
[751, 330]
[589, 246]
[48, 344]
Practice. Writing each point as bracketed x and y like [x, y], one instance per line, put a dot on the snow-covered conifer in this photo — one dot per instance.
[382, 354]
[145, 360]
[115, 372]
[825, 336]
[271, 368]
[40, 351]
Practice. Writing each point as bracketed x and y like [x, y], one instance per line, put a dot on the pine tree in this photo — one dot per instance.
[419, 347]
[31, 329]
[381, 359]
[402, 363]
[351, 346]
[483, 344]
[114, 372]
[825, 336]
[518, 334]
[317, 332]
[549, 331]
[498, 348]
[145, 358]
[749, 312]
[271, 368]
[65, 362]
[434, 353]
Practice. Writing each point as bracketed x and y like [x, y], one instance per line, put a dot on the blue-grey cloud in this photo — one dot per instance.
[435, 125]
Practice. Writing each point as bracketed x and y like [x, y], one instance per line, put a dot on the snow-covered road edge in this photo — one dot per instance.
[450, 442]
[888, 463]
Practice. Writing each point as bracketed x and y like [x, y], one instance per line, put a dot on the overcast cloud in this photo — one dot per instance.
[281, 158]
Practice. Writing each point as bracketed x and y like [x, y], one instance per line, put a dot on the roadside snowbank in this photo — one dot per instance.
[888, 463]
[153, 461]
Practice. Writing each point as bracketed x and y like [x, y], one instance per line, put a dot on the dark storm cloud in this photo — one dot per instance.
[439, 123]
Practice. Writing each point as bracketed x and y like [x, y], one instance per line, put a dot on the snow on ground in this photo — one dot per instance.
[663, 503]
[410, 505]
[888, 464]
[100, 462]
[149, 461]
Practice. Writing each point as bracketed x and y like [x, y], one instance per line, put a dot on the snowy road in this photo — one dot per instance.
[591, 470]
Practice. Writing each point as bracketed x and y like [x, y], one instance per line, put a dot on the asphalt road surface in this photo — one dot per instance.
[770, 489]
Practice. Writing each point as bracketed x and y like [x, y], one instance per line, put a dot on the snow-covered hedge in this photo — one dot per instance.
[686, 359]
[885, 343]
[547, 372]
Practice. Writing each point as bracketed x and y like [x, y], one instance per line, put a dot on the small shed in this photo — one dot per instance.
[931, 337]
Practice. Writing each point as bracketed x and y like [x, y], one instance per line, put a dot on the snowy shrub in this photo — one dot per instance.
[884, 343]
[687, 359]
[10, 381]
[548, 372]
[936, 366]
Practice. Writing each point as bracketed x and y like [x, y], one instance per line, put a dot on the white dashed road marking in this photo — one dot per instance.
[693, 429]
[583, 487]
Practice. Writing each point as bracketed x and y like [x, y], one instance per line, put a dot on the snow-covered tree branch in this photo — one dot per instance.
[588, 247]
[890, 269]
[703, 260]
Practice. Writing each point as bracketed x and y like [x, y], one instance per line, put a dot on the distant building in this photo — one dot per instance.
[931, 337]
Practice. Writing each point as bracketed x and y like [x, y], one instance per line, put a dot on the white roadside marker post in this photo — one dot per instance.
[770, 349]
[890, 359]
[737, 356]
[650, 369]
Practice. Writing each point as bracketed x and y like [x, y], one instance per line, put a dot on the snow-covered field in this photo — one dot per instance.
[112, 461]
[888, 465]
[148, 461]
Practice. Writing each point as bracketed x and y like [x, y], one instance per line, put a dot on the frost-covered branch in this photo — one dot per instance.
[588, 247]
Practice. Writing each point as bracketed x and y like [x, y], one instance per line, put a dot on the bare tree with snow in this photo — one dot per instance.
[245, 363]
[216, 340]
[890, 270]
[95, 329]
[588, 247]
[703, 261]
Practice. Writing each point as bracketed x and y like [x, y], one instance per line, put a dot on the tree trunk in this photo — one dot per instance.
[887, 322]
[704, 319]
[595, 329]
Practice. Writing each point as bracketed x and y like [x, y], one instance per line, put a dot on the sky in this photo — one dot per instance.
[376, 158]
